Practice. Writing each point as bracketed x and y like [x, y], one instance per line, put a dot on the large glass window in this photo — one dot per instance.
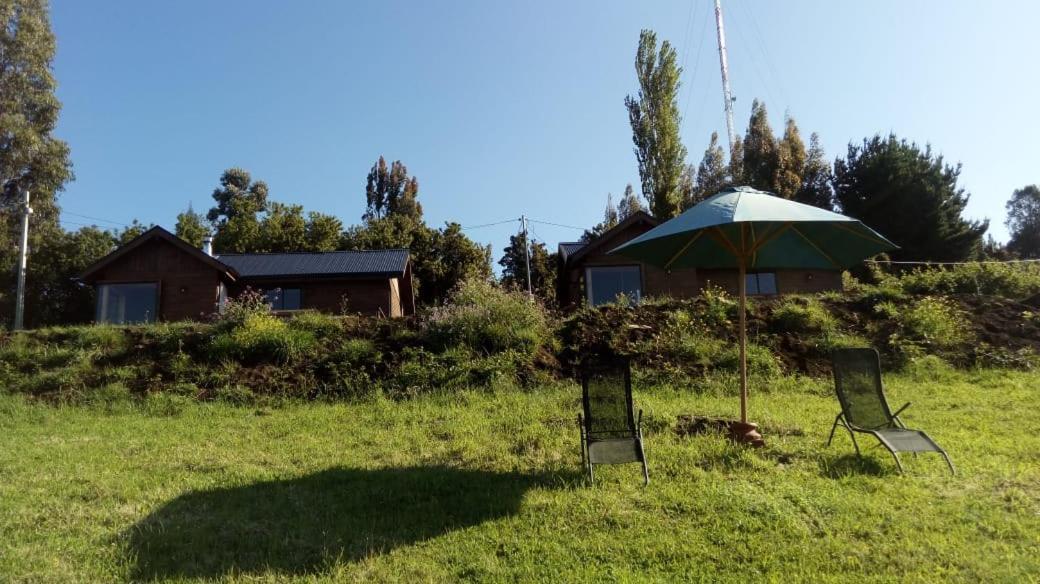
[761, 284]
[127, 303]
[605, 283]
[284, 298]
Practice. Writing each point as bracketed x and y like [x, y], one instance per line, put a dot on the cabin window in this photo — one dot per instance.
[127, 303]
[284, 298]
[761, 284]
[604, 284]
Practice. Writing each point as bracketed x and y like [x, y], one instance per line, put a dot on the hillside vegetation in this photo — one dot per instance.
[485, 336]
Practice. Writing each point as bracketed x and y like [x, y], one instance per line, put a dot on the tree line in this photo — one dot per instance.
[903, 190]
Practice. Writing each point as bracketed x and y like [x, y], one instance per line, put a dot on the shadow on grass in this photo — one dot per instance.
[852, 464]
[297, 526]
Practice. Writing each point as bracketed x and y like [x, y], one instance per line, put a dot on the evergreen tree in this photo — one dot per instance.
[816, 178]
[760, 152]
[712, 173]
[1023, 221]
[31, 158]
[238, 202]
[610, 219]
[790, 162]
[191, 227]
[130, 232]
[911, 197]
[323, 232]
[737, 176]
[687, 187]
[51, 283]
[283, 229]
[654, 117]
[543, 268]
[629, 204]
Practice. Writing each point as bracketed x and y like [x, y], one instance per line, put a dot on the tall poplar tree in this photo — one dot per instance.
[760, 153]
[790, 161]
[654, 117]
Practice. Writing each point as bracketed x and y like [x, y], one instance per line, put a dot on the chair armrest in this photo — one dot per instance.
[639, 423]
[900, 410]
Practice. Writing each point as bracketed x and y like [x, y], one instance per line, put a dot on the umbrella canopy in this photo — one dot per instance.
[742, 225]
[745, 228]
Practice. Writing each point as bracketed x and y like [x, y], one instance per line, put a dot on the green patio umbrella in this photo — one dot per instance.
[748, 229]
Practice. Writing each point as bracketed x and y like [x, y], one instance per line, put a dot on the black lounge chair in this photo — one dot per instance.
[610, 433]
[864, 409]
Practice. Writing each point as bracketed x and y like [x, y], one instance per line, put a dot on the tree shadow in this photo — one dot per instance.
[297, 526]
[853, 464]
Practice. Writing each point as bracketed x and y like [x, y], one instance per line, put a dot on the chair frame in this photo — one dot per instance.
[635, 422]
[842, 419]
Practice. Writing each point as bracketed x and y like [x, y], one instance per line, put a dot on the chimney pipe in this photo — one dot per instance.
[207, 245]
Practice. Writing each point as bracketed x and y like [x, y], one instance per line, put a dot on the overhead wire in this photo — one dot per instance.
[556, 224]
[765, 53]
[754, 61]
[696, 67]
[504, 221]
[95, 218]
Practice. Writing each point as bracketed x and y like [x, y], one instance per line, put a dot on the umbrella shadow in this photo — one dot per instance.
[299, 525]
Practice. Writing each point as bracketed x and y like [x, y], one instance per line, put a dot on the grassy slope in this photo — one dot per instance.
[487, 486]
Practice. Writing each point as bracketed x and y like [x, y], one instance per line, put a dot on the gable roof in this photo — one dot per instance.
[386, 263]
[568, 248]
[164, 235]
[633, 219]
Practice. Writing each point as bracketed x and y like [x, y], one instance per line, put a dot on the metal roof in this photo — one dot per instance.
[375, 263]
[569, 247]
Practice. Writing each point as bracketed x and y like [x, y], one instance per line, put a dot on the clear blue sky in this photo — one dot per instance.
[509, 108]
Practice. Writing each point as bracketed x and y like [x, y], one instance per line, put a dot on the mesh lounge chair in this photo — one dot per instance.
[610, 433]
[857, 380]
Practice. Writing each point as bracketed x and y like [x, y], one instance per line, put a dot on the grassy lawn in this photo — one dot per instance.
[487, 486]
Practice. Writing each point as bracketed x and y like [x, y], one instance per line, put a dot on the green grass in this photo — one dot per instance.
[487, 486]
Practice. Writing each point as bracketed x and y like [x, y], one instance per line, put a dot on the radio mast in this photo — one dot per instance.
[727, 93]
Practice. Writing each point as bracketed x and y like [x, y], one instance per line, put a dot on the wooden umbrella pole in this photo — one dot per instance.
[742, 286]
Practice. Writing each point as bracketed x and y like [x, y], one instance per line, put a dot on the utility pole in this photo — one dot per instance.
[19, 307]
[527, 253]
[727, 93]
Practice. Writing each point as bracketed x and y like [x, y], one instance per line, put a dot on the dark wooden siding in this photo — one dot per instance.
[370, 297]
[187, 287]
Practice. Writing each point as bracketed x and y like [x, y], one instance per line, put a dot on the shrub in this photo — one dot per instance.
[487, 319]
[262, 338]
[718, 308]
[803, 314]
[932, 324]
[1014, 281]
[322, 326]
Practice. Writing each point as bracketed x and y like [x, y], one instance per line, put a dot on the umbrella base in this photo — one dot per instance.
[739, 432]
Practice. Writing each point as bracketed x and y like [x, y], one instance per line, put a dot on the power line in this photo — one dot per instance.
[556, 224]
[765, 54]
[696, 66]
[504, 221]
[95, 218]
[754, 61]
